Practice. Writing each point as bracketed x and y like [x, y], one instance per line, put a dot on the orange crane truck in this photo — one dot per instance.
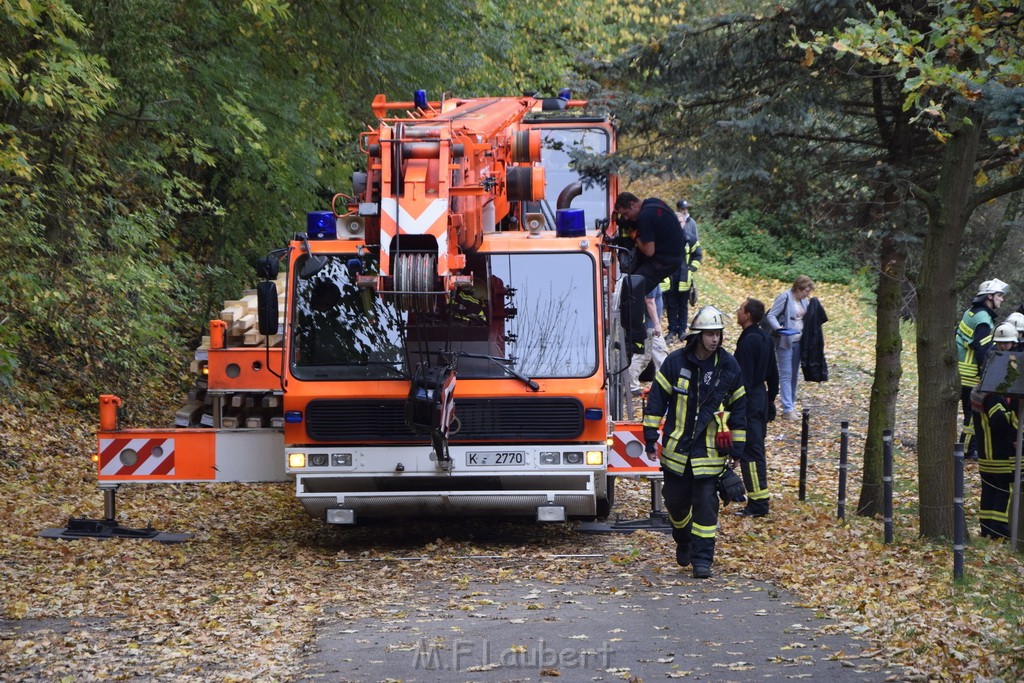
[444, 341]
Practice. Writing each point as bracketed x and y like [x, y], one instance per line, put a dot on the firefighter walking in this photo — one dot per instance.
[699, 391]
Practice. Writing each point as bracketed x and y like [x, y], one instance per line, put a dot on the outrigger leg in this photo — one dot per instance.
[80, 527]
[657, 521]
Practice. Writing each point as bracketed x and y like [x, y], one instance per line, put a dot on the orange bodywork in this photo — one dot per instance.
[444, 175]
[244, 369]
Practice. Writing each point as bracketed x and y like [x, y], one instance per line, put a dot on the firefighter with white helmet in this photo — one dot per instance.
[1006, 333]
[1017, 320]
[699, 392]
[973, 342]
[997, 430]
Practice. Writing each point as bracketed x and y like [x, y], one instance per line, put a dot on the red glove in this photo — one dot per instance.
[723, 438]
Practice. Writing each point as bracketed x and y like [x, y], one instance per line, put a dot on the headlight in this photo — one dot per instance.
[296, 460]
[550, 458]
[574, 457]
[595, 458]
[318, 460]
[341, 460]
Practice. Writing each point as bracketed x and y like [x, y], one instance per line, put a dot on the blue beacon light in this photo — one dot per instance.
[321, 225]
[420, 99]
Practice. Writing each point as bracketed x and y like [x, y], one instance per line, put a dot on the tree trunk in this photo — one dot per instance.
[939, 382]
[888, 370]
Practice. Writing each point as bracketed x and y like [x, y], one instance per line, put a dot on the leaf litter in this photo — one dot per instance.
[242, 600]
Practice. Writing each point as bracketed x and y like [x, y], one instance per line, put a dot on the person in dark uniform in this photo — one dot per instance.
[699, 392]
[755, 353]
[997, 421]
[659, 244]
[659, 238]
[973, 342]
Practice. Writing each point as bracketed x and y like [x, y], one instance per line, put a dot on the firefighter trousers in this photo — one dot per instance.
[754, 465]
[994, 511]
[692, 506]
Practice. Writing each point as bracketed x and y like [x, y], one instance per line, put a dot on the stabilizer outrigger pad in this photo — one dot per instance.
[658, 521]
[79, 527]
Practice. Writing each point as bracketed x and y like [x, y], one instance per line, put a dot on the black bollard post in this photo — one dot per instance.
[804, 428]
[959, 523]
[844, 445]
[887, 483]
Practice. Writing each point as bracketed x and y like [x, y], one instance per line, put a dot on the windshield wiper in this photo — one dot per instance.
[501, 363]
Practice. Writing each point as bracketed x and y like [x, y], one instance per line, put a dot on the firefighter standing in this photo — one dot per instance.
[699, 390]
[973, 341]
[755, 354]
[676, 288]
[997, 418]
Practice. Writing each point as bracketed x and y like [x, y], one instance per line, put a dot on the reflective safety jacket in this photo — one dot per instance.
[973, 341]
[696, 407]
[682, 280]
[998, 418]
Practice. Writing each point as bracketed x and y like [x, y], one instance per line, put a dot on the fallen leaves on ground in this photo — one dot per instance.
[243, 598]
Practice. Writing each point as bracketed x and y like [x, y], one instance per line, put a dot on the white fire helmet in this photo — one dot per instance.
[708, 318]
[1017, 320]
[992, 287]
[1005, 332]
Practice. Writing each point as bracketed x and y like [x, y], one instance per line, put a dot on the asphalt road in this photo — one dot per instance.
[650, 629]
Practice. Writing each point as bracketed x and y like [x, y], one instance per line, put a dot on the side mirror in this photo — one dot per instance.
[314, 264]
[266, 307]
[267, 268]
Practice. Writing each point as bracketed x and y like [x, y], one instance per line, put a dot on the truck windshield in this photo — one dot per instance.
[538, 310]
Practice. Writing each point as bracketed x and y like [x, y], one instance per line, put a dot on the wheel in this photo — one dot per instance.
[604, 505]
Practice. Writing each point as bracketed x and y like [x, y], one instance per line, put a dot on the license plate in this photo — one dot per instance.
[491, 458]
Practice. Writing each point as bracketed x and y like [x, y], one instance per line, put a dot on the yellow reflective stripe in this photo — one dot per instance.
[704, 531]
[965, 329]
[736, 394]
[709, 466]
[652, 421]
[739, 435]
[995, 466]
[673, 463]
[994, 515]
[663, 382]
[681, 523]
[665, 284]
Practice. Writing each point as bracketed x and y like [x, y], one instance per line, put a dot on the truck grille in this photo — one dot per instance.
[514, 419]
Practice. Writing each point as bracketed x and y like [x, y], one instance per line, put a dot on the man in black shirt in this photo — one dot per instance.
[659, 239]
[659, 253]
[755, 354]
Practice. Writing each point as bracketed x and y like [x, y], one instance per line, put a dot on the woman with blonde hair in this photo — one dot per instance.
[786, 318]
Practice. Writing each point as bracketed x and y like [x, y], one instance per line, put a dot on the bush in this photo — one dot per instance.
[765, 245]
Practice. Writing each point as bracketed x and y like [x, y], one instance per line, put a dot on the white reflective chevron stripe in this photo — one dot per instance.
[409, 224]
[147, 463]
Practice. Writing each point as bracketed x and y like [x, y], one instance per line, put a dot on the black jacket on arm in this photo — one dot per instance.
[812, 343]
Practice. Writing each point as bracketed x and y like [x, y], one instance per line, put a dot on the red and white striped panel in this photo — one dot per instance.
[155, 457]
[617, 457]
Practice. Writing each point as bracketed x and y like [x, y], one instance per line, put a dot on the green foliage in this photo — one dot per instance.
[151, 149]
[970, 49]
[764, 245]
